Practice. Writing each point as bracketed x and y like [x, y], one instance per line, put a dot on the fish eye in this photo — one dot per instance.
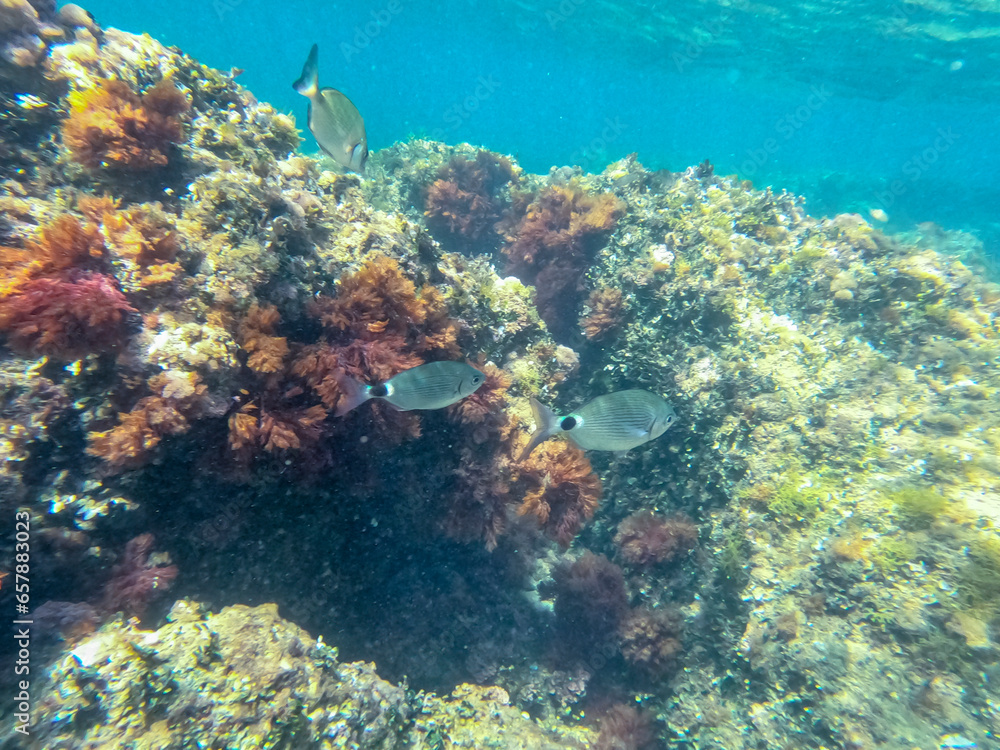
[477, 379]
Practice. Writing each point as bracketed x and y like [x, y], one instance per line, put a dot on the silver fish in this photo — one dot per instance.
[434, 385]
[333, 120]
[612, 422]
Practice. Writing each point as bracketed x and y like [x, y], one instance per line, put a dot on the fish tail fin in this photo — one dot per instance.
[352, 394]
[546, 425]
[308, 83]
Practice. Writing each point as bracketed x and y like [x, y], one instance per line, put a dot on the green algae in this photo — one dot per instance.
[979, 580]
[811, 251]
[919, 507]
[798, 498]
[732, 557]
[889, 555]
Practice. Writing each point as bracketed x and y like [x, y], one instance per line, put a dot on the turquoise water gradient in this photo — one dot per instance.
[818, 109]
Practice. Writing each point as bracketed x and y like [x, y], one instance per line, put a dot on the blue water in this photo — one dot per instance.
[827, 104]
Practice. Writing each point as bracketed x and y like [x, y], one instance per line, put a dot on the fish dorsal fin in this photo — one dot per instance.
[308, 83]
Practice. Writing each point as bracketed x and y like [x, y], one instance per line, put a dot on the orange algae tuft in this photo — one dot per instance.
[266, 352]
[64, 243]
[110, 126]
[136, 236]
[270, 419]
[177, 397]
[605, 313]
[564, 490]
[378, 300]
[275, 431]
[558, 225]
[378, 325]
[486, 404]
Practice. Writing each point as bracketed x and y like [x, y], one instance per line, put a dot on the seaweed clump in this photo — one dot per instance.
[553, 246]
[143, 244]
[919, 506]
[604, 313]
[55, 299]
[563, 490]
[376, 326]
[623, 728]
[111, 126]
[590, 601]
[266, 420]
[66, 317]
[980, 576]
[464, 202]
[644, 539]
[176, 398]
[479, 493]
[483, 410]
[137, 579]
[650, 641]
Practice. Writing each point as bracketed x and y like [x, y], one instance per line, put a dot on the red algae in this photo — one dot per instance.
[136, 580]
[462, 202]
[645, 539]
[553, 245]
[66, 316]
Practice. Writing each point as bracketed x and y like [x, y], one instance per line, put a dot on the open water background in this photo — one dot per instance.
[857, 105]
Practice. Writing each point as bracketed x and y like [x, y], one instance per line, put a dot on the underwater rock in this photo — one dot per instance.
[245, 676]
[238, 676]
[24, 31]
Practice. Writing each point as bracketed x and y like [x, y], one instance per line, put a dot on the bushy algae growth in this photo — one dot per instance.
[813, 536]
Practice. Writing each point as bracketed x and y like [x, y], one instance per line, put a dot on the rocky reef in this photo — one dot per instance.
[807, 558]
[246, 678]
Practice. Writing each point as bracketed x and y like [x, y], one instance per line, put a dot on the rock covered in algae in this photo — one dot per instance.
[246, 678]
[836, 445]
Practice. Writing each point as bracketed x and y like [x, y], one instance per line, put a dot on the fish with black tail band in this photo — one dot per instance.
[333, 119]
[434, 385]
[612, 422]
